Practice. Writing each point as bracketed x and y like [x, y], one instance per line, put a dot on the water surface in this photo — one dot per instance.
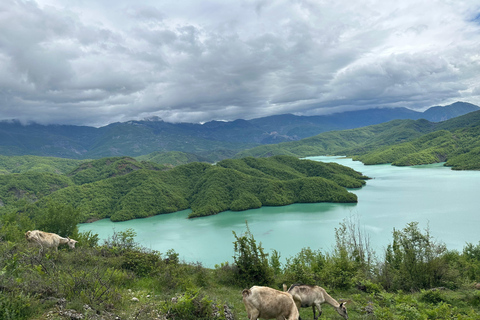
[441, 199]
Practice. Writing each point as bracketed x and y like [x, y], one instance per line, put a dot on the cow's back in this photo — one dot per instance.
[44, 239]
[271, 303]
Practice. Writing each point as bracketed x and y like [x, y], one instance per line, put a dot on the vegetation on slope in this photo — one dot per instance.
[173, 158]
[416, 278]
[400, 142]
[105, 168]
[207, 189]
[29, 187]
[457, 142]
[21, 164]
[347, 141]
[123, 188]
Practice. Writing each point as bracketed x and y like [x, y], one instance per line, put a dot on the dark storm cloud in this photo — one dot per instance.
[92, 63]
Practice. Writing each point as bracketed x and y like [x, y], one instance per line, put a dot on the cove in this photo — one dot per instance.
[437, 197]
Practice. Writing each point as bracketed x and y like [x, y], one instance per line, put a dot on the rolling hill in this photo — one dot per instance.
[401, 142]
[123, 188]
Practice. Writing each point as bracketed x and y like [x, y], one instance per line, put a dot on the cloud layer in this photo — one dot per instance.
[91, 62]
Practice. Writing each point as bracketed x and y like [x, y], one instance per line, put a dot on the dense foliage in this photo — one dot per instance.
[400, 142]
[123, 188]
[22, 164]
[173, 158]
[457, 143]
[417, 277]
[346, 142]
[30, 186]
[105, 168]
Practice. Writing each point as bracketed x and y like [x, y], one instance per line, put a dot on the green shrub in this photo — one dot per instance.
[305, 267]
[432, 296]
[251, 261]
[140, 262]
[16, 306]
[192, 305]
[59, 218]
[414, 261]
[87, 239]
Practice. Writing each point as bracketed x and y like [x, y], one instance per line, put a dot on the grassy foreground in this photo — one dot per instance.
[417, 279]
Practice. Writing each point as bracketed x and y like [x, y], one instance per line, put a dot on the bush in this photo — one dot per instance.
[305, 267]
[87, 239]
[192, 305]
[15, 306]
[140, 262]
[251, 261]
[121, 241]
[60, 219]
[414, 261]
[432, 296]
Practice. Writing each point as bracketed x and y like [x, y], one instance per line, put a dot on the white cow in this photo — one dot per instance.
[268, 303]
[313, 296]
[48, 240]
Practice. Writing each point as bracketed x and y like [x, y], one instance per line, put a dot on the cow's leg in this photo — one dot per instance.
[319, 310]
[253, 315]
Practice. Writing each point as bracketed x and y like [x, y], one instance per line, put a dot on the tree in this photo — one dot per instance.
[59, 218]
[414, 261]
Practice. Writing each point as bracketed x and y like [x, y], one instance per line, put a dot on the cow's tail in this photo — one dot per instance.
[246, 293]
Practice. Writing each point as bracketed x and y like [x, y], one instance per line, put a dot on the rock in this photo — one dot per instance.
[135, 299]
[228, 313]
[72, 314]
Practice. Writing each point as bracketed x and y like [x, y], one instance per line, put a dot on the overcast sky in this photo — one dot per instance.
[93, 62]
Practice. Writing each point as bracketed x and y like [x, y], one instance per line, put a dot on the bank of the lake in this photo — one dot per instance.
[435, 196]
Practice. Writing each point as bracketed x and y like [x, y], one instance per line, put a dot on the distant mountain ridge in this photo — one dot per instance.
[137, 138]
[401, 142]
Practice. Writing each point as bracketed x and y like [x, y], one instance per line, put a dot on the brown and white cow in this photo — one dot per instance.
[268, 303]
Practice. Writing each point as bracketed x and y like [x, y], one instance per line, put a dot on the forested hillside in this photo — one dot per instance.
[21, 164]
[346, 142]
[173, 158]
[401, 142]
[124, 188]
[456, 142]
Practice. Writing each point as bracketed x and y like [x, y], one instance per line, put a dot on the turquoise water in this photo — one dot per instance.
[441, 199]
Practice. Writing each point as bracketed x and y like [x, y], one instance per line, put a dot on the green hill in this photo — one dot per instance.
[21, 164]
[456, 142]
[347, 142]
[400, 142]
[208, 189]
[105, 168]
[30, 186]
[173, 158]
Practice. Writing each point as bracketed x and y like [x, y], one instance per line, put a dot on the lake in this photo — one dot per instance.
[445, 201]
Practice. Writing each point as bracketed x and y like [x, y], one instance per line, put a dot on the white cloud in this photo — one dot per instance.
[94, 62]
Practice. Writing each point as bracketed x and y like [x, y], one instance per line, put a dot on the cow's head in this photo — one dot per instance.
[71, 243]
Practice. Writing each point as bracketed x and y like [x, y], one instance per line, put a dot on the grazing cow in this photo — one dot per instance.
[313, 296]
[48, 240]
[268, 303]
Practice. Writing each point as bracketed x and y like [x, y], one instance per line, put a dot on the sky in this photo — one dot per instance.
[94, 62]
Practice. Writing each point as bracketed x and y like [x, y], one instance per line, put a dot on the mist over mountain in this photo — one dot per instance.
[135, 138]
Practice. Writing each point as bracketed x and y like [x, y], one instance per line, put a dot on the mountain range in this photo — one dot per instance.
[211, 141]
